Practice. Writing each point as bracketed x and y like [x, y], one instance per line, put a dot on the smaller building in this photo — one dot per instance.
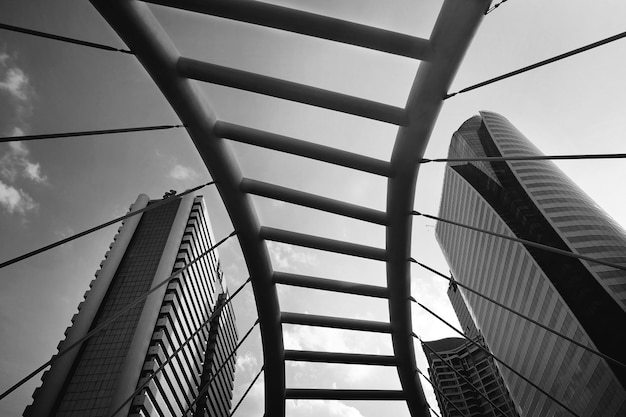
[458, 368]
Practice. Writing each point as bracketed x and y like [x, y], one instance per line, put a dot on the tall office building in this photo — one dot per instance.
[97, 378]
[460, 368]
[586, 301]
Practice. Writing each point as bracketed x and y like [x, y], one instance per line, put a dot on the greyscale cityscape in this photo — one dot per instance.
[337, 291]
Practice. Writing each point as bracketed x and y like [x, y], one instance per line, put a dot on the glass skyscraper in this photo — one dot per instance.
[586, 301]
[99, 376]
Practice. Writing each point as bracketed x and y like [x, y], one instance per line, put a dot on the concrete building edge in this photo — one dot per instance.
[45, 398]
[134, 360]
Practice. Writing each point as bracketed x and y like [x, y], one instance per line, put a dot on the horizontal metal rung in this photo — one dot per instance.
[301, 148]
[330, 285]
[342, 394]
[305, 23]
[289, 195]
[316, 242]
[335, 322]
[275, 87]
[336, 357]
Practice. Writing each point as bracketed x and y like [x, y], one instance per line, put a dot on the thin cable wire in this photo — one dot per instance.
[528, 158]
[433, 410]
[206, 386]
[247, 391]
[445, 397]
[217, 310]
[528, 381]
[63, 39]
[86, 133]
[525, 242]
[461, 376]
[102, 226]
[543, 326]
[494, 7]
[117, 315]
[539, 64]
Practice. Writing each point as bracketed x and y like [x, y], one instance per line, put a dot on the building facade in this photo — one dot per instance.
[460, 368]
[173, 330]
[586, 301]
[462, 312]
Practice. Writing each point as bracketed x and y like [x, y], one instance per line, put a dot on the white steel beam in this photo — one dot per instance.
[310, 24]
[321, 243]
[288, 90]
[302, 148]
[336, 357]
[325, 284]
[301, 198]
[344, 394]
[335, 322]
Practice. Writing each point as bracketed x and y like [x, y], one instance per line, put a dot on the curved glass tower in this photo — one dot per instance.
[534, 200]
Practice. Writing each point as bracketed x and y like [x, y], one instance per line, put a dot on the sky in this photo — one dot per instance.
[54, 188]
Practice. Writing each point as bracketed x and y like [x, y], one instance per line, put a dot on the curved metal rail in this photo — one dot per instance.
[173, 74]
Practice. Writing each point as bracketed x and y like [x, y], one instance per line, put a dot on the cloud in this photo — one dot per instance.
[14, 84]
[32, 171]
[334, 340]
[180, 173]
[16, 164]
[289, 257]
[15, 200]
[330, 408]
[316, 338]
[246, 361]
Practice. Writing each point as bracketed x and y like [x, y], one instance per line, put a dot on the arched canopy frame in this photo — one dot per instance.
[174, 75]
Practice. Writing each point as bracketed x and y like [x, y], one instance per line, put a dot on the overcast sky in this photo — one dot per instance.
[52, 189]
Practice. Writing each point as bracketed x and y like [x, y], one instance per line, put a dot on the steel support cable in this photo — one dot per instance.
[217, 310]
[247, 391]
[433, 410]
[528, 158]
[206, 386]
[543, 326]
[63, 38]
[86, 133]
[102, 226]
[114, 317]
[462, 377]
[528, 381]
[539, 64]
[445, 397]
[525, 242]
[494, 7]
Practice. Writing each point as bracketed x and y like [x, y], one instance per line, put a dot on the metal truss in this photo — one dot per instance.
[174, 75]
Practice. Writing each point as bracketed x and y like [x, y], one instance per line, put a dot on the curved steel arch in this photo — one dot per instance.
[455, 27]
[456, 24]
